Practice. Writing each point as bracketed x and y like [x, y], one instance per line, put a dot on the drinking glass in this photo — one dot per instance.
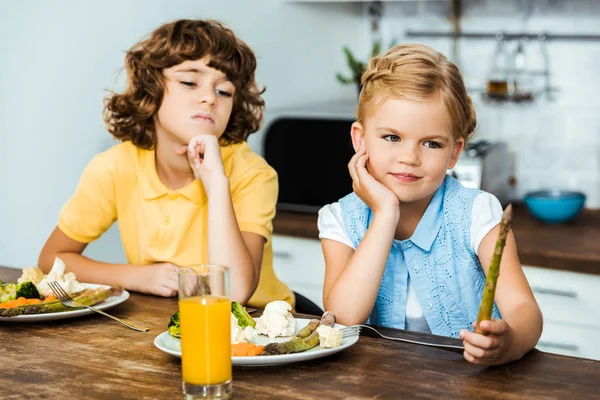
[204, 312]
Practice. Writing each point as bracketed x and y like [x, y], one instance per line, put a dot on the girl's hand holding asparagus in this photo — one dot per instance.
[491, 349]
[492, 341]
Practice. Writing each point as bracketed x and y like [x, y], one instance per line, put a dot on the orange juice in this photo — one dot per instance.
[205, 340]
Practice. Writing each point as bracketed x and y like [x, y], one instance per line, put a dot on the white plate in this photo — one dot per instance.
[103, 305]
[171, 345]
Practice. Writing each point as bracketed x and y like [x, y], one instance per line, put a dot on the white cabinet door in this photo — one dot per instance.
[299, 263]
[573, 341]
[571, 308]
[564, 296]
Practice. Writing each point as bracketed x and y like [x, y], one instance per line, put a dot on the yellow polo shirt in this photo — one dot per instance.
[162, 225]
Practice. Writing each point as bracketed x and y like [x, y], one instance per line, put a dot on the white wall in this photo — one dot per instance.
[555, 143]
[58, 57]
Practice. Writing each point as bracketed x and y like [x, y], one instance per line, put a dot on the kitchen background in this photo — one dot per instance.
[57, 59]
[555, 142]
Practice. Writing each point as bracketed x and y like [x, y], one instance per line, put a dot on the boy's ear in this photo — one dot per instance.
[358, 135]
[459, 146]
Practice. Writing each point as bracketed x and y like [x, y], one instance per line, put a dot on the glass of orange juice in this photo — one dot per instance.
[204, 312]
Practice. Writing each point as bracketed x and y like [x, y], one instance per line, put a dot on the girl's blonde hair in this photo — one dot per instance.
[417, 72]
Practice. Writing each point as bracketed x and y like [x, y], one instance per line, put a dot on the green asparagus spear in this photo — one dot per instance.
[302, 343]
[87, 297]
[487, 301]
[308, 329]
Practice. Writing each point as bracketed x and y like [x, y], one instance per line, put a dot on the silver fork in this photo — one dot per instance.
[354, 330]
[68, 301]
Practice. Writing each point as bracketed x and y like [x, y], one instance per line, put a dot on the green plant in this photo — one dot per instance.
[357, 67]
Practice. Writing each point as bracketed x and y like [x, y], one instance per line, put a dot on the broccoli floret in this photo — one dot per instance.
[244, 319]
[8, 292]
[174, 328]
[27, 290]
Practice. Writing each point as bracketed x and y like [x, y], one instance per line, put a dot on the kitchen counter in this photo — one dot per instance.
[574, 246]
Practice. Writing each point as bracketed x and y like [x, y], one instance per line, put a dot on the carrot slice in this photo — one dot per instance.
[246, 349]
[256, 351]
[12, 303]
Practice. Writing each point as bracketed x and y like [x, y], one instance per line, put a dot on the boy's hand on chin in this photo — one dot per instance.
[377, 196]
[204, 156]
[492, 349]
[157, 279]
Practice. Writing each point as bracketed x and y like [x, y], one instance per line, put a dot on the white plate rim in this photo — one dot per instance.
[103, 305]
[263, 361]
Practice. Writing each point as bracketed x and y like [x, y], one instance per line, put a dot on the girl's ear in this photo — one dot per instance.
[358, 135]
[459, 146]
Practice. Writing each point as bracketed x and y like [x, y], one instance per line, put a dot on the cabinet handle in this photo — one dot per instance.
[554, 292]
[282, 254]
[562, 346]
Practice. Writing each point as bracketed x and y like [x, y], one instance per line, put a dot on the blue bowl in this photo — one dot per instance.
[554, 206]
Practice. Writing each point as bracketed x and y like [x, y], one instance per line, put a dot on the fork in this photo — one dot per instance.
[354, 330]
[68, 301]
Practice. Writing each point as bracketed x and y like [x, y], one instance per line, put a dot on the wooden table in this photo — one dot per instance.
[93, 357]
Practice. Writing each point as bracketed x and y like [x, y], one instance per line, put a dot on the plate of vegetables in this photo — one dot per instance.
[279, 338]
[31, 300]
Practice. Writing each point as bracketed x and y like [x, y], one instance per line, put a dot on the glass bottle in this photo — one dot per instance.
[497, 79]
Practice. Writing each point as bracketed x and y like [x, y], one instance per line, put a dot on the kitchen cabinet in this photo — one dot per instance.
[571, 309]
[299, 263]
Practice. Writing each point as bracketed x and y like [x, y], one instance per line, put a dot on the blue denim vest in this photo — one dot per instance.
[446, 274]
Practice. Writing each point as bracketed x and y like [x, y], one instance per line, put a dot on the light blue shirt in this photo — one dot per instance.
[446, 274]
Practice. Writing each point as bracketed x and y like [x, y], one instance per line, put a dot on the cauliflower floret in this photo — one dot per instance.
[249, 333]
[277, 320]
[31, 274]
[238, 334]
[329, 337]
[236, 330]
[57, 274]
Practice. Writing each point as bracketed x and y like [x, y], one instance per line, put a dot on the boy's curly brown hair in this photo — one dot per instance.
[129, 115]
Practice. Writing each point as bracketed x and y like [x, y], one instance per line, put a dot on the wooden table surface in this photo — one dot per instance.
[571, 246]
[93, 357]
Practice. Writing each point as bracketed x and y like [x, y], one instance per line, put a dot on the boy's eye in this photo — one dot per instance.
[433, 145]
[392, 138]
[224, 93]
[188, 84]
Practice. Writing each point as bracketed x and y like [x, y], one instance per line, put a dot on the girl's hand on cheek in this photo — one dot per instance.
[377, 196]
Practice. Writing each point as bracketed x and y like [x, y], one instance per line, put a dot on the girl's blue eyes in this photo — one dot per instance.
[431, 144]
[392, 138]
[434, 145]
[219, 92]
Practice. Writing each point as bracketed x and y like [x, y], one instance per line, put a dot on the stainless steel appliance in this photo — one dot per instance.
[487, 166]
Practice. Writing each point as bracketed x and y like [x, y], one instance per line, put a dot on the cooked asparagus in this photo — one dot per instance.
[487, 301]
[87, 297]
[308, 329]
[304, 340]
